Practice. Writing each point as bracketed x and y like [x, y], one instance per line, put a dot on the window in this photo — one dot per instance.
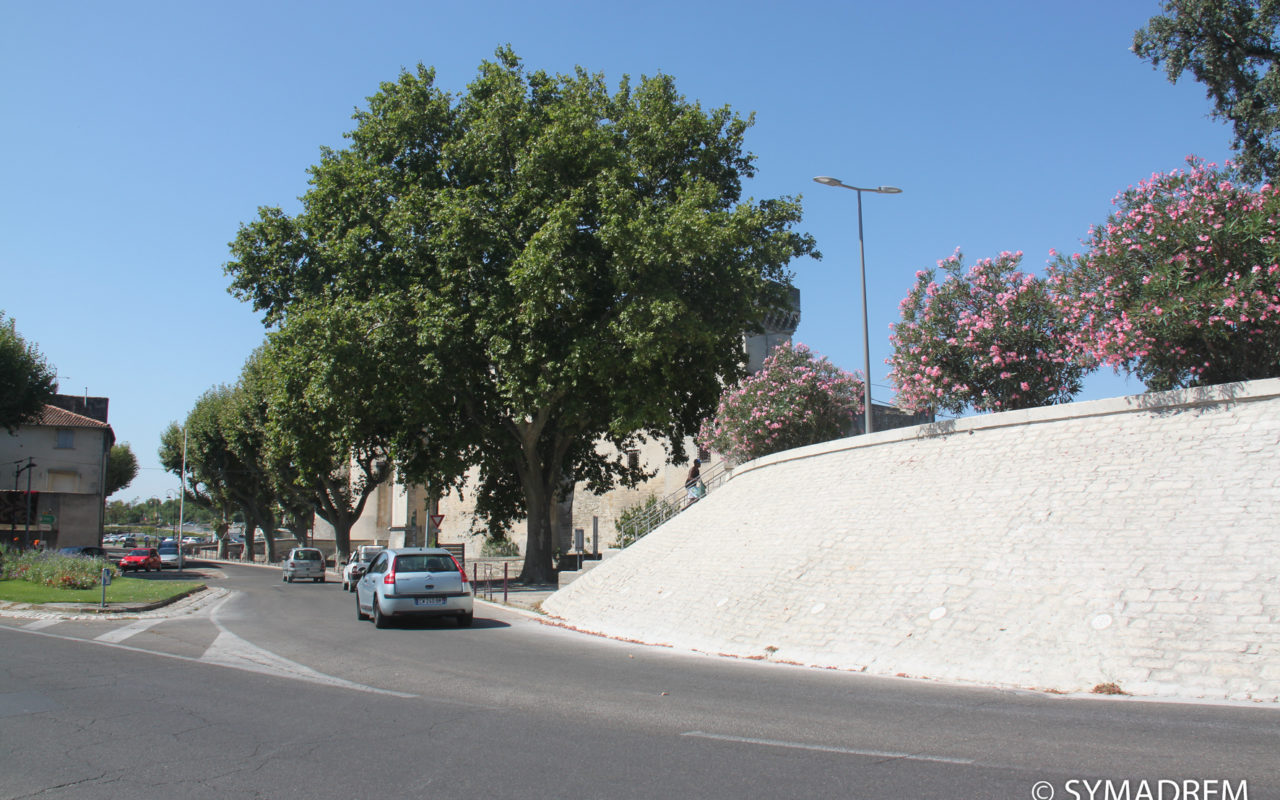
[66, 439]
[704, 454]
[62, 481]
[633, 459]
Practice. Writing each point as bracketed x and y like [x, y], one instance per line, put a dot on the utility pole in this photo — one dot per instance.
[27, 469]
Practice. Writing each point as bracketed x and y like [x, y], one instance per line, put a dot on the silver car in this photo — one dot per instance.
[414, 581]
[303, 562]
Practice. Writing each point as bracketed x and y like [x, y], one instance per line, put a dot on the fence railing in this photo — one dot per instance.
[662, 509]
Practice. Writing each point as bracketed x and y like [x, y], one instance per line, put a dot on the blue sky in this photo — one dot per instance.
[137, 136]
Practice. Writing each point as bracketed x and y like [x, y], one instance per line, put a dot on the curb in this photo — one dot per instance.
[190, 600]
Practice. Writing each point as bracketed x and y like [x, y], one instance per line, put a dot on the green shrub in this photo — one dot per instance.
[52, 569]
[637, 520]
[499, 548]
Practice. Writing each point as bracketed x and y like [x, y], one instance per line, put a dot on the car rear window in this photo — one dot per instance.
[306, 555]
[425, 563]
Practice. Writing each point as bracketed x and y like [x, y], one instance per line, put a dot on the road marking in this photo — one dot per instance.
[128, 631]
[40, 623]
[229, 650]
[822, 748]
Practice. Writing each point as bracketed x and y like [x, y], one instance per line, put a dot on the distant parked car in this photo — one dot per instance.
[414, 581]
[168, 555]
[141, 558]
[130, 541]
[303, 562]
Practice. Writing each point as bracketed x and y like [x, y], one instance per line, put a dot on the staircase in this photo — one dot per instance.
[664, 508]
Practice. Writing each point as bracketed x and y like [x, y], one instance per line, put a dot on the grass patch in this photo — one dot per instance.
[121, 590]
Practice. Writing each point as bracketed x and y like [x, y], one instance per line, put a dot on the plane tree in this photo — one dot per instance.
[210, 466]
[1232, 47]
[577, 266]
[335, 406]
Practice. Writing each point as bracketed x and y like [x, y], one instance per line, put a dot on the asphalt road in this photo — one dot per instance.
[278, 691]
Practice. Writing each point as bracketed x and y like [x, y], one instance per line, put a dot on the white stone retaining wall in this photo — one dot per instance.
[1133, 540]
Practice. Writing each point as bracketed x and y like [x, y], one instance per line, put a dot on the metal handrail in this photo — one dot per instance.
[667, 507]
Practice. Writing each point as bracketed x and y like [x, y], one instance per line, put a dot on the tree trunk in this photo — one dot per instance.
[268, 526]
[221, 533]
[539, 544]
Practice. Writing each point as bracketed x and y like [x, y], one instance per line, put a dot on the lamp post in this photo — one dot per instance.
[862, 258]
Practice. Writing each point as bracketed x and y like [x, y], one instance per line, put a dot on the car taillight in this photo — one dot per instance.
[460, 570]
[390, 578]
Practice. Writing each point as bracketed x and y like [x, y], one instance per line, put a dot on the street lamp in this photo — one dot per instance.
[866, 335]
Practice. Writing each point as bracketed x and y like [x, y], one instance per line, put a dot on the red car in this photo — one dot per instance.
[142, 558]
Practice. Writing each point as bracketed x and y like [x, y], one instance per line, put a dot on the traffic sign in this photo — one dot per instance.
[436, 519]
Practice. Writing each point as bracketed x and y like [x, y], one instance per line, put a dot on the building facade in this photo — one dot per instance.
[54, 492]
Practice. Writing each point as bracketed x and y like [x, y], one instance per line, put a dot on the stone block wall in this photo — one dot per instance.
[1133, 540]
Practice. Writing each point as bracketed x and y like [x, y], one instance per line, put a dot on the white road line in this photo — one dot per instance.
[229, 650]
[822, 748]
[40, 623]
[128, 631]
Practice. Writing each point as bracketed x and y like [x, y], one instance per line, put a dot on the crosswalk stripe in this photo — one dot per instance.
[40, 623]
[132, 629]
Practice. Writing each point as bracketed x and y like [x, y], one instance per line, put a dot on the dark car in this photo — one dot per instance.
[84, 552]
[141, 558]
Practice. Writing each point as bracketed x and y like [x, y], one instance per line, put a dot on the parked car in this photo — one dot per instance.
[358, 563]
[303, 562]
[141, 558]
[168, 555]
[414, 581]
[85, 552]
[130, 541]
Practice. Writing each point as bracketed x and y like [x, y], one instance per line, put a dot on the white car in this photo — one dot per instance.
[168, 555]
[357, 564]
[414, 582]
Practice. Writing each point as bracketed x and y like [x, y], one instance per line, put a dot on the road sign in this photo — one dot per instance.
[436, 519]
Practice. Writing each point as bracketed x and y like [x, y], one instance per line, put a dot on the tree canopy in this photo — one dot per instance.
[28, 380]
[1232, 47]
[122, 468]
[577, 266]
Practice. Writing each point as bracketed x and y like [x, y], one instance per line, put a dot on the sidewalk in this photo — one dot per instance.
[527, 597]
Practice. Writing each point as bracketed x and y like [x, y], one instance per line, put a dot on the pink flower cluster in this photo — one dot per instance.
[1181, 286]
[990, 339]
[797, 398]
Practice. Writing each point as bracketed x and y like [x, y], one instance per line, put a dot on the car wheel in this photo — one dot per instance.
[360, 615]
[465, 620]
[320, 579]
[380, 620]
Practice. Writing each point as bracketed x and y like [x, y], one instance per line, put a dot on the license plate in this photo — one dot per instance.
[428, 601]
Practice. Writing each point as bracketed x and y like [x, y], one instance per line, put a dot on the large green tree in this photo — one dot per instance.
[579, 266]
[27, 382]
[334, 406]
[1232, 47]
[122, 468]
[223, 473]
